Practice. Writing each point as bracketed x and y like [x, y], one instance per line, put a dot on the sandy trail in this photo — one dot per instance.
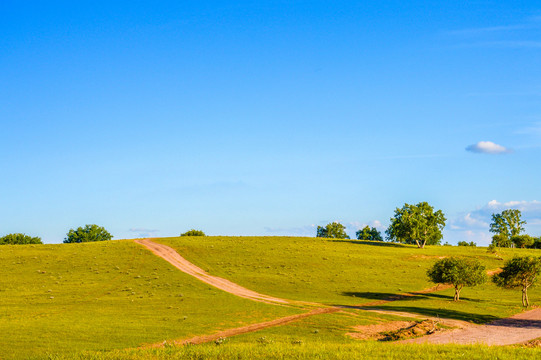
[170, 255]
[516, 329]
[513, 330]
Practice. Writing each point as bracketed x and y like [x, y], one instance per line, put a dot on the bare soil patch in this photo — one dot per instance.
[516, 329]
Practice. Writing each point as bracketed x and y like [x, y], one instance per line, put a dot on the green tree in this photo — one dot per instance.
[458, 272]
[465, 243]
[416, 224]
[519, 272]
[368, 233]
[19, 239]
[501, 240]
[507, 223]
[522, 241]
[87, 234]
[193, 232]
[333, 230]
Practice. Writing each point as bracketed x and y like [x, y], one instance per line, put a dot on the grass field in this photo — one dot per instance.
[86, 300]
[352, 272]
[98, 296]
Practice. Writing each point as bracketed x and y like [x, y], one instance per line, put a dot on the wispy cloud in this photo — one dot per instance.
[534, 129]
[307, 230]
[487, 147]
[143, 232]
[491, 29]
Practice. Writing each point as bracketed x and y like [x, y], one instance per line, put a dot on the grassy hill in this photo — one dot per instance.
[71, 300]
[97, 296]
[349, 272]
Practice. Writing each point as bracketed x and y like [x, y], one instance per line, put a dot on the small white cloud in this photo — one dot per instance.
[143, 230]
[487, 147]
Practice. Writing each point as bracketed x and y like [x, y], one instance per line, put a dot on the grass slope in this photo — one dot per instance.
[351, 272]
[98, 296]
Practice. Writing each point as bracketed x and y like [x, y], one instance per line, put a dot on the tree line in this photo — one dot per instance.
[420, 225]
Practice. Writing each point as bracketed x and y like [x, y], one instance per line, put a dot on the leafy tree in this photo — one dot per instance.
[522, 241]
[416, 224]
[87, 234]
[193, 232]
[333, 230]
[519, 272]
[501, 240]
[19, 239]
[536, 243]
[458, 272]
[368, 233]
[465, 243]
[507, 223]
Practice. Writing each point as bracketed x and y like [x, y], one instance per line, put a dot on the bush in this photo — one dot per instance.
[333, 230]
[87, 234]
[193, 232]
[19, 239]
[465, 243]
[522, 241]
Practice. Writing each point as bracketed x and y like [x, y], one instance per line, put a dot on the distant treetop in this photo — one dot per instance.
[87, 234]
[333, 230]
[193, 232]
[19, 239]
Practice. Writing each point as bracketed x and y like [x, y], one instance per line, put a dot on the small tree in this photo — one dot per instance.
[519, 272]
[501, 240]
[19, 239]
[368, 233]
[465, 243]
[507, 223]
[457, 272]
[87, 234]
[416, 224]
[333, 230]
[522, 241]
[193, 232]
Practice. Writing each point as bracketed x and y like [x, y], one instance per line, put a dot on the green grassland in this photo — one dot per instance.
[98, 296]
[92, 300]
[352, 272]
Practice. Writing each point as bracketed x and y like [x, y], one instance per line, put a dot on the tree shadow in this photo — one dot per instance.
[368, 242]
[443, 313]
[404, 296]
[384, 296]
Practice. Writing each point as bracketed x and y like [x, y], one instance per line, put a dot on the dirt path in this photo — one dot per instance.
[513, 330]
[245, 329]
[173, 257]
[517, 329]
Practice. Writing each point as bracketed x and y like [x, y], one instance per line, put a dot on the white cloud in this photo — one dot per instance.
[475, 224]
[357, 225]
[488, 147]
[468, 221]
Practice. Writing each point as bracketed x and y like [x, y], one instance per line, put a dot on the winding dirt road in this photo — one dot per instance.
[170, 255]
[514, 330]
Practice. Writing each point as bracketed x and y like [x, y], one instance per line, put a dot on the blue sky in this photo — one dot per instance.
[267, 117]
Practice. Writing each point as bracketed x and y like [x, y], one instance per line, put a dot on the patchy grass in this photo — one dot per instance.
[99, 296]
[349, 272]
[301, 351]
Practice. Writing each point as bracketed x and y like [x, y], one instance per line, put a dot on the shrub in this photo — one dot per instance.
[19, 239]
[333, 230]
[193, 232]
[87, 234]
